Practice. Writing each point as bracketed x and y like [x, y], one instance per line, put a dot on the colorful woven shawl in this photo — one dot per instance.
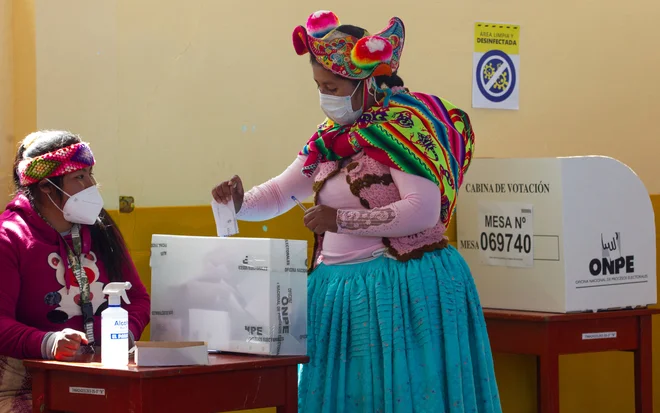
[416, 133]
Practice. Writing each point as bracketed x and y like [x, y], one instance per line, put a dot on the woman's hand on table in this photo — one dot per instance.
[230, 190]
[66, 344]
[321, 219]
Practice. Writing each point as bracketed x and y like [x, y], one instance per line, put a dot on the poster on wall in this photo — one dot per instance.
[496, 66]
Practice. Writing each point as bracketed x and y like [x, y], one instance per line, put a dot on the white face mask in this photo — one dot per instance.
[83, 207]
[340, 108]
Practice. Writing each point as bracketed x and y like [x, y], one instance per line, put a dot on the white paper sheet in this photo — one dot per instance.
[225, 219]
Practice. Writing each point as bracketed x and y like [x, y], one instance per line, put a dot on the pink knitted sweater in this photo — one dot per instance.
[399, 215]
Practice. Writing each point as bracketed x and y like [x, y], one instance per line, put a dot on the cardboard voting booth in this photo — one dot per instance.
[557, 234]
[244, 295]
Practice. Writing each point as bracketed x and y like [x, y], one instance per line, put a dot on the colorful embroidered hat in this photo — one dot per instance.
[60, 162]
[346, 55]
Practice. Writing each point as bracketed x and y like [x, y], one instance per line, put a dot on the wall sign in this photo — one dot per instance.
[496, 66]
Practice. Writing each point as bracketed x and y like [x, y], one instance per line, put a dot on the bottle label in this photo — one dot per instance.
[120, 336]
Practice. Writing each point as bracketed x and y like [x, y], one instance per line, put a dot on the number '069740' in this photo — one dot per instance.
[503, 242]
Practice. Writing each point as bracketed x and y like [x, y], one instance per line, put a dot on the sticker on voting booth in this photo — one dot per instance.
[506, 234]
[496, 66]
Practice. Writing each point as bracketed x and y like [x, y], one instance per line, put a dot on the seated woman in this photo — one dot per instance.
[58, 249]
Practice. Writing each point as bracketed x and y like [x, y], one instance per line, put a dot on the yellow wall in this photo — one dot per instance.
[18, 100]
[175, 96]
[25, 64]
[6, 98]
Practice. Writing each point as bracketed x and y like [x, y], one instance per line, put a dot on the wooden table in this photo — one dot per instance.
[548, 336]
[230, 382]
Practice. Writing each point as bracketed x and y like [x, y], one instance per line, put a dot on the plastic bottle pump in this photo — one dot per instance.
[114, 326]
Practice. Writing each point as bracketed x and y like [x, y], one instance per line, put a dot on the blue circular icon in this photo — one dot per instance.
[496, 76]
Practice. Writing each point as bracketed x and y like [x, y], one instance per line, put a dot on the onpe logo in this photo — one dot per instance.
[612, 260]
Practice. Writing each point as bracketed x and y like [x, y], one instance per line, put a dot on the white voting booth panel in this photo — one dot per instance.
[557, 234]
[243, 295]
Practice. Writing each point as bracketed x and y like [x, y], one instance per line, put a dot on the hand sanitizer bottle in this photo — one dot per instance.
[114, 327]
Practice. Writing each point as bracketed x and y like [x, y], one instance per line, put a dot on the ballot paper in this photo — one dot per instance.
[225, 219]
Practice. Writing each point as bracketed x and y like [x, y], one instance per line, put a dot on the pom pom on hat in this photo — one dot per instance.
[321, 23]
[300, 40]
[371, 51]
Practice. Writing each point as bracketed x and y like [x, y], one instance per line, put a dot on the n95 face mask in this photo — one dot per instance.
[81, 208]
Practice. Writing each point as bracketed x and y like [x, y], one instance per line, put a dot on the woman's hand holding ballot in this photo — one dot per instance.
[319, 219]
[230, 190]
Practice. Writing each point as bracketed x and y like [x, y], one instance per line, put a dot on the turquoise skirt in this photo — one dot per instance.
[397, 337]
